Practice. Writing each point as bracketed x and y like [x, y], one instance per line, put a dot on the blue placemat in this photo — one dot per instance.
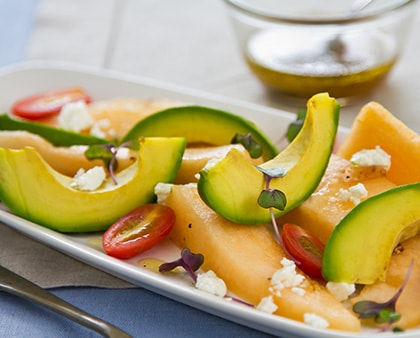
[138, 311]
[17, 19]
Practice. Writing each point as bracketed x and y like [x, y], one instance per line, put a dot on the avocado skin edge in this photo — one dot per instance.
[31, 189]
[57, 137]
[360, 247]
[231, 186]
[200, 125]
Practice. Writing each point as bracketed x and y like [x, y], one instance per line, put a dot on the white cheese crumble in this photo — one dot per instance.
[286, 276]
[354, 194]
[299, 291]
[74, 116]
[315, 321]
[210, 283]
[341, 290]
[88, 180]
[162, 190]
[267, 305]
[371, 157]
[96, 130]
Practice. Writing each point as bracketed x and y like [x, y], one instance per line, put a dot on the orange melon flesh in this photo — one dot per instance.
[246, 257]
[66, 160]
[407, 304]
[323, 210]
[117, 116]
[374, 126]
[195, 158]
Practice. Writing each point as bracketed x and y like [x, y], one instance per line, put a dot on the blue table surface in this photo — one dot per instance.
[138, 311]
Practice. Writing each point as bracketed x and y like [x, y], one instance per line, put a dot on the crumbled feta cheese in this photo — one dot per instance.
[341, 290]
[267, 305]
[286, 276]
[299, 291]
[74, 116]
[96, 130]
[315, 321]
[162, 190]
[210, 283]
[89, 180]
[371, 157]
[354, 194]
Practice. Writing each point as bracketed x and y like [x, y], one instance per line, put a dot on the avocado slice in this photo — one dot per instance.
[360, 247]
[33, 190]
[200, 125]
[232, 185]
[57, 137]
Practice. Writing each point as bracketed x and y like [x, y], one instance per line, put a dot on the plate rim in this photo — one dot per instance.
[64, 243]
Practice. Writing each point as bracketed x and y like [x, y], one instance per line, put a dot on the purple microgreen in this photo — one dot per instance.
[383, 312]
[108, 154]
[274, 198]
[189, 261]
[253, 147]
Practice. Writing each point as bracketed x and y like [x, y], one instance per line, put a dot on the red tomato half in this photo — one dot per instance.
[305, 248]
[139, 230]
[48, 103]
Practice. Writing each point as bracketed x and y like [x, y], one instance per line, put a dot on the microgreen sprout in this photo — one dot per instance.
[383, 312]
[191, 262]
[274, 198]
[253, 147]
[295, 127]
[108, 154]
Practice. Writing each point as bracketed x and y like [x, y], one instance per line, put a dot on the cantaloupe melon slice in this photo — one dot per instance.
[66, 160]
[407, 303]
[117, 116]
[324, 209]
[195, 158]
[246, 257]
[374, 126]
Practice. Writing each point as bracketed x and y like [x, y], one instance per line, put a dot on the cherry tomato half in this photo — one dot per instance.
[48, 103]
[138, 231]
[305, 248]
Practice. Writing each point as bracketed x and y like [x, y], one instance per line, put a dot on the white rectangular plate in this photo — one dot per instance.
[26, 79]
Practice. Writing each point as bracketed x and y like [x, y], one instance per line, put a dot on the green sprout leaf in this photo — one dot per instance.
[253, 147]
[272, 198]
[100, 151]
[295, 127]
[108, 154]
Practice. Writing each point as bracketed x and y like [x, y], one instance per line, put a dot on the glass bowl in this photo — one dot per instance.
[303, 47]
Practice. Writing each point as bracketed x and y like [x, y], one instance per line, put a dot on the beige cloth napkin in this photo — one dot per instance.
[48, 267]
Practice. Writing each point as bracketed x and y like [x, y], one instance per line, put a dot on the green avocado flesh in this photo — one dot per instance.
[360, 247]
[232, 185]
[57, 137]
[30, 188]
[200, 125]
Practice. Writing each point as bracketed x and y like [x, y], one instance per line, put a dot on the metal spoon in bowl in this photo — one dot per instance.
[336, 45]
[19, 286]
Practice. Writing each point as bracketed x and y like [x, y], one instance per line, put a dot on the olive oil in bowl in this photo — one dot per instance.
[301, 63]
